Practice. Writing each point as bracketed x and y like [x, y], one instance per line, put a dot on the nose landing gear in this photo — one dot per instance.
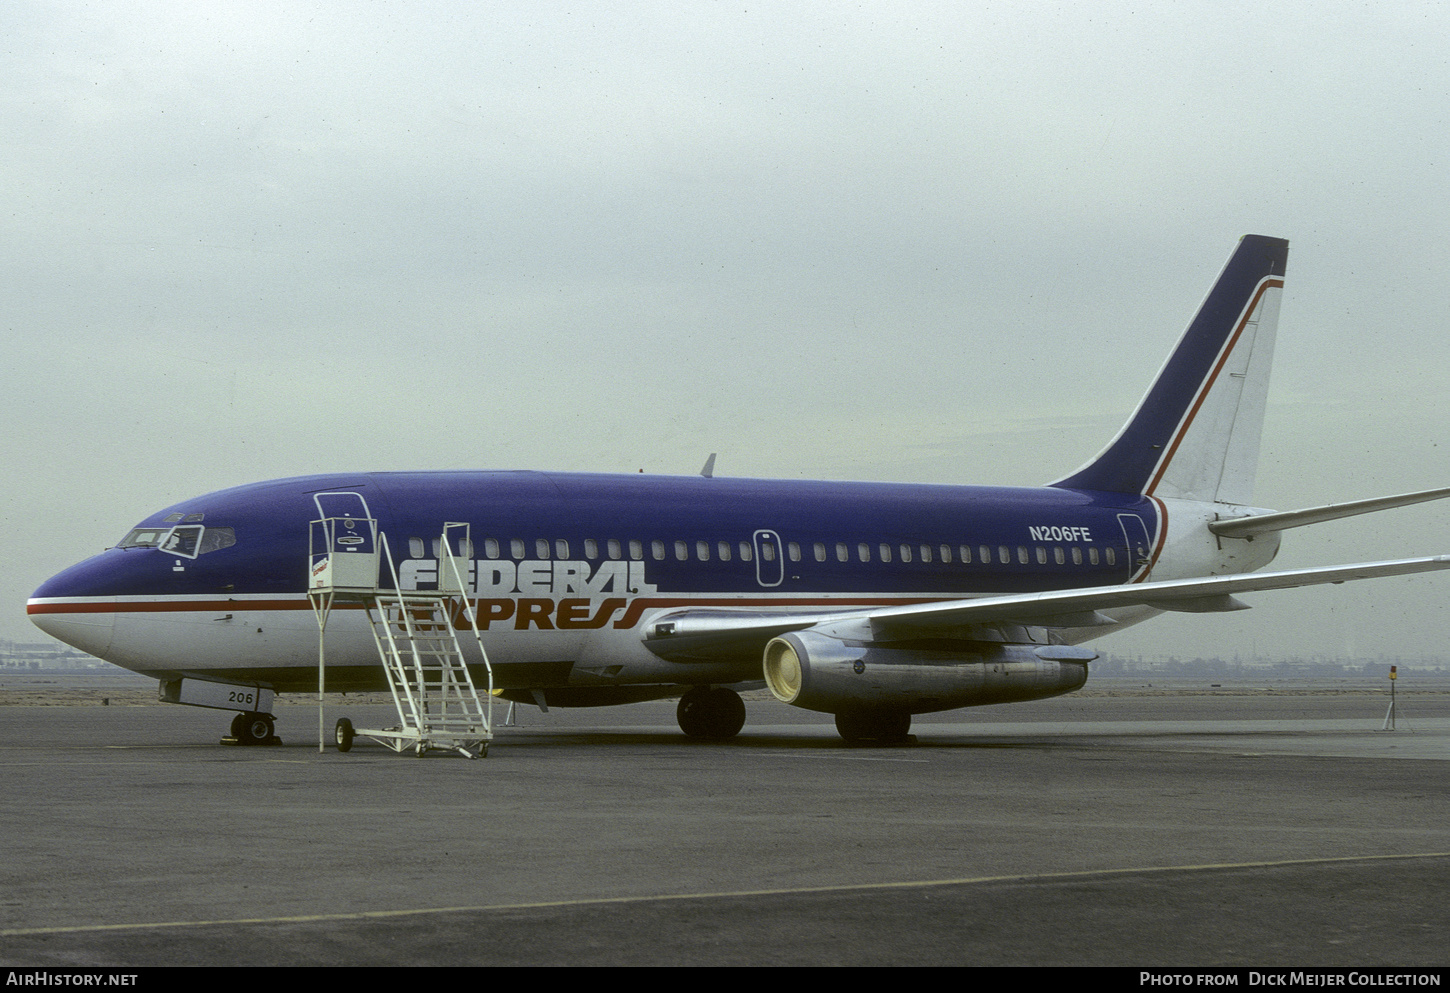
[252, 728]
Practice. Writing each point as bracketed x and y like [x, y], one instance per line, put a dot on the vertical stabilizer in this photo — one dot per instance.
[1195, 435]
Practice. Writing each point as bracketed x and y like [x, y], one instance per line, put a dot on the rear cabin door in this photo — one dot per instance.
[1140, 546]
[769, 567]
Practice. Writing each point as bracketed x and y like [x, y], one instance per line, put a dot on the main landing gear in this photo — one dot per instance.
[253, 729]
[711, 712]
[885, 727]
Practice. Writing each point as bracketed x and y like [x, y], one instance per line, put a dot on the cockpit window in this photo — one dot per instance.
[186, 540]
[215, 538]
[182, 540]
[144, 538]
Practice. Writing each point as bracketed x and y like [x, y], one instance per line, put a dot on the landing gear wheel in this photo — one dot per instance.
[343, 734]
[253, 729]
[712, 713]
[882, 726]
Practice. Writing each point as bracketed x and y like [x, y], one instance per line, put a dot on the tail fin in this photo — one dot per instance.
[1195, 435]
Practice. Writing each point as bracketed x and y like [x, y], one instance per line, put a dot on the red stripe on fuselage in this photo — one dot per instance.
[146, 606]
[636, 608]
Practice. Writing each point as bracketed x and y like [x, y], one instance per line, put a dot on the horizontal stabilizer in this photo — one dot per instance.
[1247, 527]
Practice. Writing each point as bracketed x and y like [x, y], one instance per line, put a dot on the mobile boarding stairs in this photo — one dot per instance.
[439, 708]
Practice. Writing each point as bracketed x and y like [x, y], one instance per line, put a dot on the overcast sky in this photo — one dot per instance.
[893, 241]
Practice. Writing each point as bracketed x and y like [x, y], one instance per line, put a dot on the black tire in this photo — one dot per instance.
[343, 734]
[255, 729]
[711, 713]
[884, 726]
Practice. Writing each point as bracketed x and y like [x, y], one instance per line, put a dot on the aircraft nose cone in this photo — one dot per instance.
[62, 609]
[90, 631]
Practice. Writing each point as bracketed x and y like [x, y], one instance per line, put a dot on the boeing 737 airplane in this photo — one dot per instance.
[869, 601]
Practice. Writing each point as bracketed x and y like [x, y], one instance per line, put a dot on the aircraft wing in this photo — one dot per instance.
[717, 635]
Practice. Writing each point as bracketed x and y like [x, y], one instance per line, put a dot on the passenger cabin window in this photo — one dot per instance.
[516, 547]
[724, 549]
[490, 547]
[615, 551]
[591, 548]
[702, 551]
[657, 550]
[561, 549]
[682, 551]
[636, 549]
[463, 549]
[541, 548]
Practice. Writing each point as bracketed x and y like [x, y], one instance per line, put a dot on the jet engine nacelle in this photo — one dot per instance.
[818, 672]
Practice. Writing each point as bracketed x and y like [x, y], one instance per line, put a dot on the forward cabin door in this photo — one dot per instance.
[350, 555]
